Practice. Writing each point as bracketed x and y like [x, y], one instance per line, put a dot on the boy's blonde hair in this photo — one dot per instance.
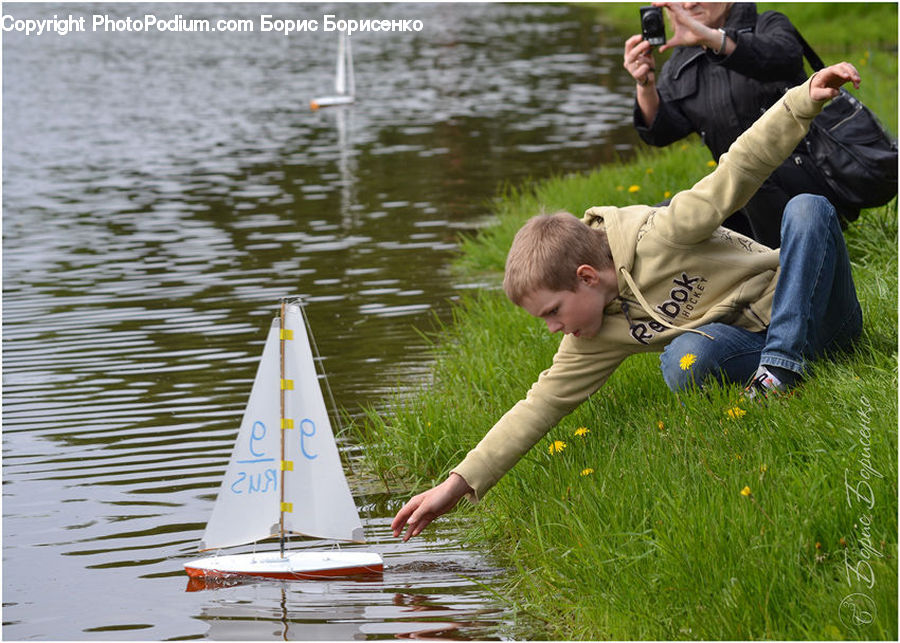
[547, 251]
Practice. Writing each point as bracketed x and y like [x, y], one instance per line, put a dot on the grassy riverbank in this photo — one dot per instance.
[703, 517]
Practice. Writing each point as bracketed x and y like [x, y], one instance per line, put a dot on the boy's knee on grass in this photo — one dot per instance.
[689, 362]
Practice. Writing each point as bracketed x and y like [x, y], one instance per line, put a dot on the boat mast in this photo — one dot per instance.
[281, 436]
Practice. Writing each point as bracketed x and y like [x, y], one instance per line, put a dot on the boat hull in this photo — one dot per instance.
[330, 101]
[293, 566]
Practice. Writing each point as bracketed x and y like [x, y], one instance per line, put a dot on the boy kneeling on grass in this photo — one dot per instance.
[719, 306]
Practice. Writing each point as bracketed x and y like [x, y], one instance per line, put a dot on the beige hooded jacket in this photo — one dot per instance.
[677, 270]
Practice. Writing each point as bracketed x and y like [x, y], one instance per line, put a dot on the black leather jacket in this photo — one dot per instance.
[721, 96]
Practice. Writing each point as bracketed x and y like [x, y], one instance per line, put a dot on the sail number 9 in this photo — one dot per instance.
[257, 433]
[307, 430]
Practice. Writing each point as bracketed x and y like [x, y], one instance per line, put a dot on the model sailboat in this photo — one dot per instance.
[344, 85]
[285, 473]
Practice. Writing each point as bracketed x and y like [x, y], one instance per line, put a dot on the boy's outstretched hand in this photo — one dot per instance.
[827, 82]
[425, 507]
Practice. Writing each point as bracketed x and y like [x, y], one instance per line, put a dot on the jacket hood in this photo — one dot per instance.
[623, 230]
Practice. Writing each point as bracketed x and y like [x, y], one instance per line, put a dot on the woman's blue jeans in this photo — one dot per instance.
[815, 309]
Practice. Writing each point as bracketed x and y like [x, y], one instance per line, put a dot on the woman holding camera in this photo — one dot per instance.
[729, 65]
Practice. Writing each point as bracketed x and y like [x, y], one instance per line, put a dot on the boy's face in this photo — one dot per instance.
[578, 312]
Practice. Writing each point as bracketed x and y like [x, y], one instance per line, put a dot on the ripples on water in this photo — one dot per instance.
[161, 192]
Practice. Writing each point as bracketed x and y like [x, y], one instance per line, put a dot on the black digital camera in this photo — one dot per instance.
[653, 29]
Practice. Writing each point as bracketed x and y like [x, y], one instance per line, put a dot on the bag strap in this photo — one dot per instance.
[811, 55]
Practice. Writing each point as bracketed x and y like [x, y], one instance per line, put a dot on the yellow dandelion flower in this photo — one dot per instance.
[745, 491]
[667, 194]
[587, 472]
[556, 447]
[634, 188]
[763, 468]
[737, 456]
[818, 545]
[711, 164]
[649, 170]
[660, 425]
[582, 431]
[736, 412]
[687, 360]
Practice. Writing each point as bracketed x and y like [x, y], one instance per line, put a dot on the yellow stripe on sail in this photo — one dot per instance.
[287, 385]
[287, 507]
[287, 423]
[287, 465]
[287, 333]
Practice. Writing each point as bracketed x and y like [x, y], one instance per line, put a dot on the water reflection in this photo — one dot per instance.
[356, 609]
[160, 193]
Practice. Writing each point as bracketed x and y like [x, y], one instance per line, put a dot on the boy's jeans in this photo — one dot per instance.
[815, 309]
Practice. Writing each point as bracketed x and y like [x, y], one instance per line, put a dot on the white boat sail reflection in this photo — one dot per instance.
[285, 474]
[270, 612]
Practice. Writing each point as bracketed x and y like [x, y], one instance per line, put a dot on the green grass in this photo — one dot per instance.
[658, 541]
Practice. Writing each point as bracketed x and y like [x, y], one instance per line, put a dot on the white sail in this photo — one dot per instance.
[344, 82]
[323, 506]
[317, 497]
[340, 73]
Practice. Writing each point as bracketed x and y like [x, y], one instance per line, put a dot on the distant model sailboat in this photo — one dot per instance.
[344, 85]
[285, 473]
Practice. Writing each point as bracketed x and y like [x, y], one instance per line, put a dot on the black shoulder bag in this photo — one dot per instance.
[855, 155]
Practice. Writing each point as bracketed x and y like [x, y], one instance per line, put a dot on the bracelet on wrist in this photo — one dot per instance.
[721, 49]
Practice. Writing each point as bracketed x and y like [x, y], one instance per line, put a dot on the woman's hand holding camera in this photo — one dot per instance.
[639, 61]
